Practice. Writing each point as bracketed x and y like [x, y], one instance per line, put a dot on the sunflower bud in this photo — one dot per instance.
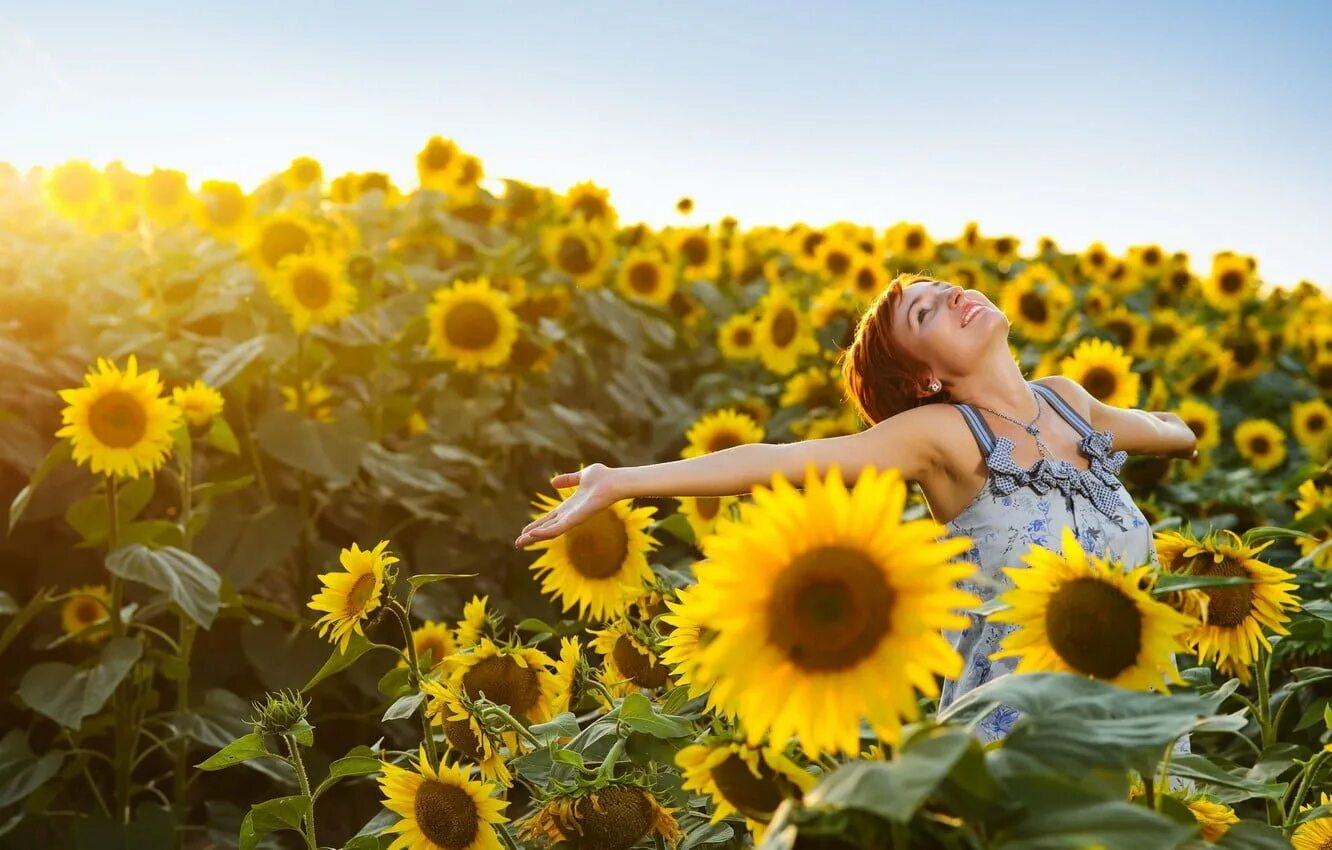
[280, 713]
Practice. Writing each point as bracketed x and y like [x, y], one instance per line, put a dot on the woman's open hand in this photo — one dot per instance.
[595, 493]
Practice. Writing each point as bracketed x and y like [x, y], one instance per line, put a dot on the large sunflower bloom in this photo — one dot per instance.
[743, 780]
[350, 597]
[279, 236]
[1080, 613]
[313, 289]
[784, 331]
[1314, 834]
[517, 676]
[119, 421]
[1105, 371]
[472, 325]
[441, 810]
[600, 565]
[828, 608]
[1235, 616]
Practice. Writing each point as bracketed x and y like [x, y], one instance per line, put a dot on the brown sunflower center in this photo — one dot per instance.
[618, 820]
[707, 506]
[756, 797]
[1315, 423]
[695, 250]
[829, 608]
[723, 439]
[1162, 334]
[590, 207]
[1100, 382]
[504, 682]
[837, 263]
[1260, 445]
[598, 547]
[643, 278]
[1231, 281]
[471, 325]
[637, 667]
[446, 814]
[1151, 257]
[784, 326]
[281, 239]
[87, 612]
[311, 287]
[866, 281]
[1003, 246]
[1094, 627]
[361, 592]
[1226, 606]
[1245, 352]
[118, 420]
[914, 240]
[1032, 307]
[744, 337]
[463, 739]
[811, 243]
[574, 256]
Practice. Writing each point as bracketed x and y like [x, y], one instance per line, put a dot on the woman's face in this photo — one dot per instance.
[929, 324]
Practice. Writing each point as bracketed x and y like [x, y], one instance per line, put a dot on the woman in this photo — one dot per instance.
[1005, 461]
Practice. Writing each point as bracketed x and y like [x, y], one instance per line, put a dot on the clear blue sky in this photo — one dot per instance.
[1198, 125]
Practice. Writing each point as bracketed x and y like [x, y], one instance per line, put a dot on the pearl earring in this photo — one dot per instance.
[934, 387]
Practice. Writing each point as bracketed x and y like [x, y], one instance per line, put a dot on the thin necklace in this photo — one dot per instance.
[1030, 427]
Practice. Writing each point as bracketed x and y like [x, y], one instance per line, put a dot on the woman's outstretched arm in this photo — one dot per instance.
[906, 441]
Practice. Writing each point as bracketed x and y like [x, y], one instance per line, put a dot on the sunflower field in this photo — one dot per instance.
[264, 454]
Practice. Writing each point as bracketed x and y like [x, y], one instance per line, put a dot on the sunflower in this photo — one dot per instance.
[436, 162]
[737, 338]
[302, 173]
[721, 429]
[741, 779]
[1213, 818]
[1093, 261]
[866, 280]
[784, 331]
[1203, 420]
[1122, 279]
[1128, 328]
[1165, 328]
[1314, 834]
[1250, 347]
[1311, 423]
[198, 402]
[316, 397]
[464, 731]
[1002, 250]
[124, 195]
[601, 564]
[1231, 282]
[1105, 371]
[223, 209]
[579, 250]
[417, 423]
[350, 597]
[166, 196]
[280, 236]
[688, 634]
[1097, 301]
[591, 203]
[645, 276]
[517, 676]
[613, 816]
[1311, 498]
[472, 325]
[1261, 442]
[1237, 615]
[684, 206]
[1200, 364]
[441, 810]
[827, 607]
[1037, 302]
[1147, 260]
[435, 640]
[702, 512]
[631, 662]
[817, 386]
[119, 421]
[474, 623]
[75, 190]
[566, 671]
[1080, 613]
[910, 244]
[462, 185]
[313, 289]
[87, 606]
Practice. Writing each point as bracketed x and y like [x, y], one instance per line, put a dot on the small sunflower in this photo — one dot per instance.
[437, 162]
[313, 289]
[827, 608]
[434, 641]
[721, 429]
[303, 173]
[591, 203]
[441, 810]
[1203, 420]
[601, 564]
[350, 597]
[166, 196]
[784, 331]
[910, 244]
[702, 512]
[645, 276]
[1236, 616]
[613, 816]
[517, 676]
[472, 325]
[698, 252]
[867, 279]
[317, 399]
[1105, 371]
[1037, 302]
[198, 402]
[817, 386]
[1199, 364]
[280, 236]
[1213, 818]
[75, 190]
[87, 606]
[1231, 283]
[737, 338]
[684, 206]
[1261, 442]
[1311, 423]
[566, 671]
[474, 623]
[744, 780]
[1080, 613]
[223, 209]
[1127, 327]
[119, 421]
[1314, 834]
[579, 250]
[631, 663]
[465, 733]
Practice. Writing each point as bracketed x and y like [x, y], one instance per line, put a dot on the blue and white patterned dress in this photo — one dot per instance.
[1018, 508]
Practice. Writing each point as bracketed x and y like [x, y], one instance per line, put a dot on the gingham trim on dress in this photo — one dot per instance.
[1098, 483]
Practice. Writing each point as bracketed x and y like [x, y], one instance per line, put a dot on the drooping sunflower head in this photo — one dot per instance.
[1080, 613]
[721, 429]
[465, 731]
[520, 677]
[631, 661]
[472, 325]
[614, 816]
[119, 422]
[751, 781]
[350, 598]
[474, 624]
[441, 809]
[601, 564]
[1236, 615]
[436, 162]
[198, 402]
[826, 598]
[87, 606]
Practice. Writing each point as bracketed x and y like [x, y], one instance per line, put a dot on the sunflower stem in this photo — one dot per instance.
[295, 750]
[248, 432]
[1149, 791]
[1165, 772]
[414, 679]
[612, 758]
[900, 838]
[123, 764]
[180, 778]
[509, 843]
[1262, 670]
[1293, 809]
